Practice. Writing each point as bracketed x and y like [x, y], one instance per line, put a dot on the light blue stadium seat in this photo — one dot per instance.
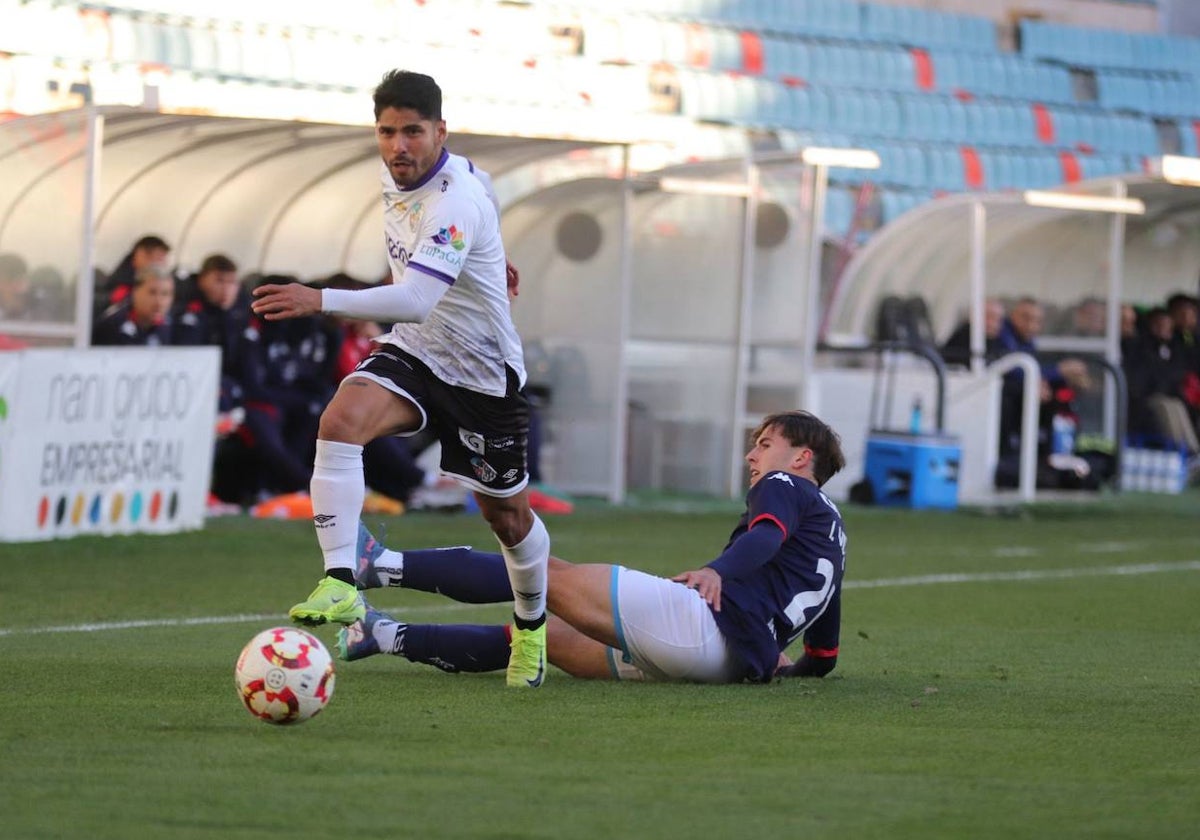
[978, 33]
[891, 163]
[839, 211]
[1020, 128]
[775, 104]
[945, 169]
[726, 49]
[1047, 168]
[824, 66]
[799, 57]
[1187, 139]
[949, 71]
[1006, 175]
[885, 115]
[844, 19]
[881, 22]
[898, 70]
[800, 108]
[891, 205]
[849, 112]
[821, 108]
[757, 105]
[917, 112]
[958, 127]
[780, 59]
[916, 166]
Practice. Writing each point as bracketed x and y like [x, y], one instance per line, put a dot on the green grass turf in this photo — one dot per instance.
[1049, 707]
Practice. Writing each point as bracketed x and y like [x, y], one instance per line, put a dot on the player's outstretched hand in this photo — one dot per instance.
[705, 581]
[292, 300]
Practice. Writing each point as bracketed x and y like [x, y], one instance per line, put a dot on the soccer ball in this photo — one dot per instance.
[284, 675]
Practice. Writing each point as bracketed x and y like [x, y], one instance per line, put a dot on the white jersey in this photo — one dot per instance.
[447, 227]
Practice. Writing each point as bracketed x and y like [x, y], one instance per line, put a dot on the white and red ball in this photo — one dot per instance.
[284, 675]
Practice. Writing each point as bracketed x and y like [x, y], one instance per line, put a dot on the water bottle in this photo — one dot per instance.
[914, 417]
[1062, 434]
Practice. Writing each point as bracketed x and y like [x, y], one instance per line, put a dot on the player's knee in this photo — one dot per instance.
[510, 522]
[337, 424]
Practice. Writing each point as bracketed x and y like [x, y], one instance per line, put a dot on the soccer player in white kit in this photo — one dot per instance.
[452, 363]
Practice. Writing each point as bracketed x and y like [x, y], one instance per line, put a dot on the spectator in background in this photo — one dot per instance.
[144, 318]
[957, 349]
[1087, 319]
[1185, 328]
[214, 309]
[1156, 374]
[50, 298]
[146, 252]
[1019, 334]
[14, 288]
[287, 373]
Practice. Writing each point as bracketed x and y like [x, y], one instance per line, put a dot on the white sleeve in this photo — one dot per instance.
[410, 300]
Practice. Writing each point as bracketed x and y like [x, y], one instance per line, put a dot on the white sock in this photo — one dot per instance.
[386, 634]
[390, 568]
[527, 564]
[337, 489]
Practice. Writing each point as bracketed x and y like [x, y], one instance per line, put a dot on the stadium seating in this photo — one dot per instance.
[947, 107]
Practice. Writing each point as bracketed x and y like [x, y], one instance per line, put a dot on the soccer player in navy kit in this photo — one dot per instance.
[778, 578]
[451, 363]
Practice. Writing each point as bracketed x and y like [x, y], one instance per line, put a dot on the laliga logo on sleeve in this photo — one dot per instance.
[451, 236]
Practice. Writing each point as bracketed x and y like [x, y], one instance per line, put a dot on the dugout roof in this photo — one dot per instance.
[279, 197]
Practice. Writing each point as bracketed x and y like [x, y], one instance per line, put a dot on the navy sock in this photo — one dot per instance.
[455, 647]
[460, 573]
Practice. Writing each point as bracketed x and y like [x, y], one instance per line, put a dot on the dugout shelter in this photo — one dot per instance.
[663, 322]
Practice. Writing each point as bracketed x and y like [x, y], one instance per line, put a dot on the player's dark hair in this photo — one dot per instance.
[800, 428]
[406, 89]
[151, 243]
[217, 262]
[1179, 300]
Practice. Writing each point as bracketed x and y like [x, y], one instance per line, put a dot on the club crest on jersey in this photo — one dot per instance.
[784, 477]
[414, 216]
[451, 236]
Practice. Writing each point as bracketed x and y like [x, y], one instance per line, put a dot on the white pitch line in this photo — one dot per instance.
[878, 583]
[1025, 574]
[246, 618]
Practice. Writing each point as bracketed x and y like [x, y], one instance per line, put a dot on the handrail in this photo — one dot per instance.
[921, 349]
[1030, 404]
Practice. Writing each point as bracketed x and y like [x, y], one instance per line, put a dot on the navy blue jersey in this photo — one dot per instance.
[117, 328]
[769, 599]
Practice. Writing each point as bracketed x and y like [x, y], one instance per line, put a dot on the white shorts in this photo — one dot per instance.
[666, 631]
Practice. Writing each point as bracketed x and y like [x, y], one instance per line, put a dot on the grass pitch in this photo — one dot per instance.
[1030, 675]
